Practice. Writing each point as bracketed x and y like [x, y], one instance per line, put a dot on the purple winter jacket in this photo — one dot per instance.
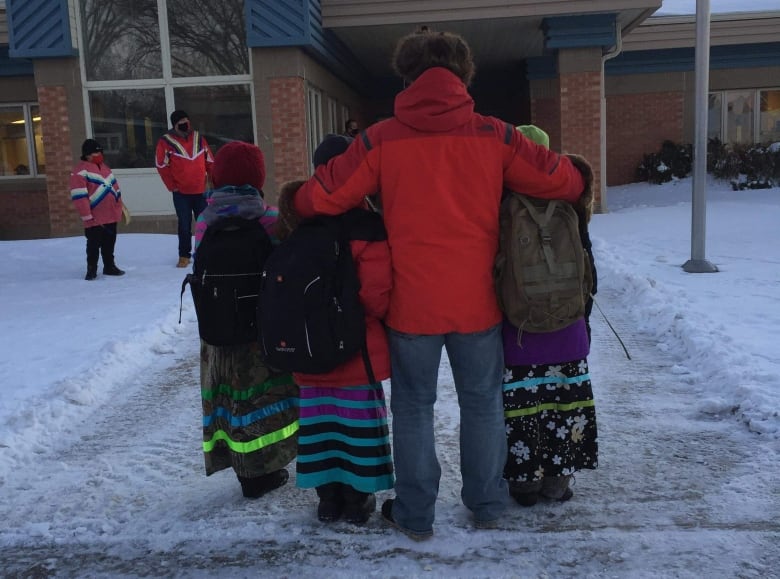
[565, 345]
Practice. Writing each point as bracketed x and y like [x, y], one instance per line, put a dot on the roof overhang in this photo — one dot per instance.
[499, 32]
[662, 32]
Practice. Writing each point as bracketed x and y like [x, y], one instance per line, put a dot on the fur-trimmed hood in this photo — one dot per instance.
[288, 217]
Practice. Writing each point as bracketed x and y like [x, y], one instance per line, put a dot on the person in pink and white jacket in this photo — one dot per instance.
[96, 196]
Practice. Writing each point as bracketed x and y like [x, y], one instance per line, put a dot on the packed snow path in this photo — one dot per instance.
[677, 494]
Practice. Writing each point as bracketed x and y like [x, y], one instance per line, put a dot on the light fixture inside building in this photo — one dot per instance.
[21, 121]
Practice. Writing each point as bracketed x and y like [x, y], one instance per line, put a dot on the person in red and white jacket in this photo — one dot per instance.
[96, 196]
[183, 160]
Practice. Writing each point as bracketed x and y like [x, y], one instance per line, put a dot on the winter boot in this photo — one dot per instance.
[331, 503]
[183, 262]
[256, 487]
[557, 488]
[112, 270]
[91, 273]
[525, 493]
[358, 506]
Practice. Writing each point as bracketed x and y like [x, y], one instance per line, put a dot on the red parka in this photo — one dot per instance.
[440, 169]
[183, 163]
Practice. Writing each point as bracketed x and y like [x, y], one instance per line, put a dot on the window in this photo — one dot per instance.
[145, 58]
[314, 120]
[122, 39]
[344, 117]
[224, 112]
[333, 118]
[715, 116]
[739, 116]
[21, 147]
[207, 38]
[128, 123]
[769, 121]
[749, 116]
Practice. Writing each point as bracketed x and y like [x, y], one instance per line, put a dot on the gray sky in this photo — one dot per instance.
[719, 6]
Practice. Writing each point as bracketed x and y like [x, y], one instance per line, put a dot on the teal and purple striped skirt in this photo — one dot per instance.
[343, 438]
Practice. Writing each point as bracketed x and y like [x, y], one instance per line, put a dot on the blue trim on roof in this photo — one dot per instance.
[683, 59]
[299, 23]
[39, 29]
[272, 24]
[580, 31]
[14, 66]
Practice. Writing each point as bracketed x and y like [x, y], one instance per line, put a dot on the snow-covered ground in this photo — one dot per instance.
[101, 470]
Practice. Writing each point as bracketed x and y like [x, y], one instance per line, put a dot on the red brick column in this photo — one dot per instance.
[288, 119]
[55, 127]
[580, 120]
[546, 114]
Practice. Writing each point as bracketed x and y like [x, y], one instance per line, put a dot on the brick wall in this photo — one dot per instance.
[546, 114]
[580, 125]
[288, 119]
[55, 127]
[637, 124]
[24, 214]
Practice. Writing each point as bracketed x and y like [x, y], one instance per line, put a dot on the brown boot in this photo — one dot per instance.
[183, 262]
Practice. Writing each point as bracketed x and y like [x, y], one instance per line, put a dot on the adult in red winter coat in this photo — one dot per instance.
[96, 196]
[183, 160]
[440, 169]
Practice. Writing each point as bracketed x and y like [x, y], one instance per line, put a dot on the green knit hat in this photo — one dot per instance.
[536, 134]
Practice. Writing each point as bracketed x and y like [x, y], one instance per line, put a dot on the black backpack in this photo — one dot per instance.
[226, 280]
[310, 316]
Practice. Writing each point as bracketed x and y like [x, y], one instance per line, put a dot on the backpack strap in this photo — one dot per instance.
[360, 224]
[542, 219]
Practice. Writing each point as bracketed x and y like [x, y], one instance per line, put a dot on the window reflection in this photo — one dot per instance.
[715, 116]
[128, 124]
[221, 113]
[770, 116]
[214, 45]
[739, 116]
[122, 39]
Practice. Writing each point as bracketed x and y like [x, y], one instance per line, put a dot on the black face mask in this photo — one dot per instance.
[183, 127]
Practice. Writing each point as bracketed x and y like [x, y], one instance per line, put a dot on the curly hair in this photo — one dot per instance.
[417, 52]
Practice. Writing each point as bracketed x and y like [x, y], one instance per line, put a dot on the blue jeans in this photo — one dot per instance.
[187, 207]
[477, 362]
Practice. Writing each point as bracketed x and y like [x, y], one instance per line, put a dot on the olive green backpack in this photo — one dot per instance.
[542, 273]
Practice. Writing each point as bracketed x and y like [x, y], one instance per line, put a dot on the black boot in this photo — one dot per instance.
[91, 273]
[331, 502]
[358, 506]
[112, 270]
[256, 487]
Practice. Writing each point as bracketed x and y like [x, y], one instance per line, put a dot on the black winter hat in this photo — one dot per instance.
[90, 146]
[176, 116]
[331, 146]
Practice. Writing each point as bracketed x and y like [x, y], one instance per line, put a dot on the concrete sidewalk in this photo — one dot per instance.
[676, 494]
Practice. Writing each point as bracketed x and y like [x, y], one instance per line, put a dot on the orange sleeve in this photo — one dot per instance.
[536, 171]
[341, 184]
